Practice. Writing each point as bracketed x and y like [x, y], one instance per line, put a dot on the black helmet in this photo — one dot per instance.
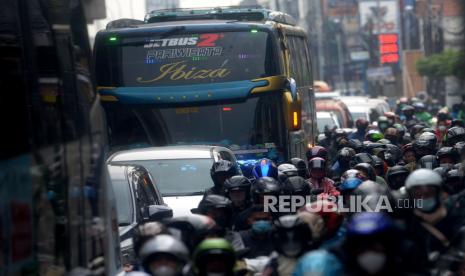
[378, 165]
[457, 122]
[408, 110]
[453, 183]
[265, 186]
[222, 170]
[374, 148]
[428, 162]
[460, 148]
[265, 167]
[362, 157]
[392, 155]
[367, 170]
[424, 146]
[296, 185]
[193, 228]
[317, 151]
[212, 202]
[292, 236]
[416, 130]
[237, 182]
[396, 177]
[448, 152]
[168, 247]
[454, 135]
[301, 166]
[355, 144]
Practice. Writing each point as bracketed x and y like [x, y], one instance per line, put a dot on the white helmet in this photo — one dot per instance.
[423, 177]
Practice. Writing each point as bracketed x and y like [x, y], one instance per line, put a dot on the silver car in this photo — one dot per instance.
[181, 173]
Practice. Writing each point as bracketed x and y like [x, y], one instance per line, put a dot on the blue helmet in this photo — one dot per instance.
[369, 224]
[265, 167]
[318, 262]
[350, 184]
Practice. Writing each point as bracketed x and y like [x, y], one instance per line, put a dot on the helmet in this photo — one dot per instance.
[374, 135]
[419, 106]
[408, 110]
[193, 228]
[454, 182]
[327, 210]
[292, 236]
[407, 147]
[443, 115]
[321, 139]
[457, 122]
[222, 170]
[447, 152]
[391, 134]
[346, 154]
[366, 224]
[383, 122]
[145, 232]
[301, 166]
[427, 129]
[214, 250]
[400, 129]
[339, 133]
[362, 157]
[424, 145]
[296, 185]
[454, 135]
[214, 202]
[391, 117]
[164, 245]
[361, 123]
[428, 162]
[265, 167]
[350, 184]
[285, 171]
[379, 165]
[319, 262]
[396, 177]
[415, 130]
[374, 148]
[317, 151]
[352, 173]
[367, 170]
[355, 144]
[265, 186]
[372, 191]
[317, 163]
[423, 177]
[393, 154]
[460, 148]
[237, 182]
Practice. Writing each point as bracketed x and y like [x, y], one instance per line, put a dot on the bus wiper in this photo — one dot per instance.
[173, 31]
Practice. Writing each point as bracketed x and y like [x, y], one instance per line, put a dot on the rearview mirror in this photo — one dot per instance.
[159, 212]
[292, 87]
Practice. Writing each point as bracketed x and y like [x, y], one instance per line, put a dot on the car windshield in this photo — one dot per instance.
[176, 177]
[123, 196]
[185, 59]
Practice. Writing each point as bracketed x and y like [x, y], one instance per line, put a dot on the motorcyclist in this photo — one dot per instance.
[396, 177]
[409, 157]
[258, 237]
[317, 151]
[164, 255]
[428, 162]
[342, 162]
[392, 135]
[447, 155]
[421, 113]
[361, 124]
[292, 238]
[373, 135]
[437, 225]
[286, 170]
[214, 257]
[237, 189]
[219, 172]
[369, 173]
[302, 170]
[219, 209]
[318, 179]
[424, 145]
[409, 116]
[296, 186]
[383, 123]
[455, 135]
[453, 183]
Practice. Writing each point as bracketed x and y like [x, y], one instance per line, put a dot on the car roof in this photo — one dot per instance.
[166, 153]
[324, 114]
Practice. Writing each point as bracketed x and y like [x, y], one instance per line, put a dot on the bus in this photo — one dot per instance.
[57, 210]
[234, 77]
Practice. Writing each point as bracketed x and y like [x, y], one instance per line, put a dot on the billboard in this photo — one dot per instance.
[379, 17]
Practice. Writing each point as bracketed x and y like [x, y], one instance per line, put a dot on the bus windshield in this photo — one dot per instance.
[251, 126]
[185, 59]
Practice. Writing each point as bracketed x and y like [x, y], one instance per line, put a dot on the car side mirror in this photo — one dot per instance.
[292, 87]
[159, 212]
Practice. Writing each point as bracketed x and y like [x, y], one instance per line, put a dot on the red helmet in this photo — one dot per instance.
[361, 123]
[317, 151]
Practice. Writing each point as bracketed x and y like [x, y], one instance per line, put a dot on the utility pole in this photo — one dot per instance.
[340, 59]
[321, 56]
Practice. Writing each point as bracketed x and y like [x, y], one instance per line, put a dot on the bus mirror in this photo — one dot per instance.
[292, 87]
[292, 111]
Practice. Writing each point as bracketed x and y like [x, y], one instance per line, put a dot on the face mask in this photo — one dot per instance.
[163, 271]
[372, 262]
[428, 204]
[261, 227]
